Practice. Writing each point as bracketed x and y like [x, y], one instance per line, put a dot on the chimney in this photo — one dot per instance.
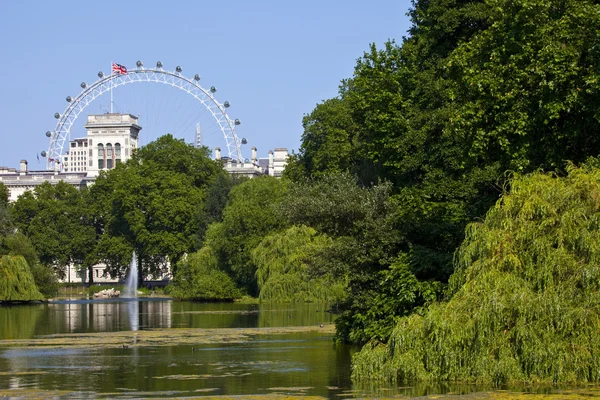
[254, 160]
[23, 167]
[217, 153]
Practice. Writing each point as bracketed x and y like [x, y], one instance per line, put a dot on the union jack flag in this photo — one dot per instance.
[118, 69]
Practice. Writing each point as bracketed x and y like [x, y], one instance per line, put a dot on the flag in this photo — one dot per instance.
[119, 69]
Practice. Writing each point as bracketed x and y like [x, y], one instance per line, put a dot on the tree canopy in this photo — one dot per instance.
[525, 297]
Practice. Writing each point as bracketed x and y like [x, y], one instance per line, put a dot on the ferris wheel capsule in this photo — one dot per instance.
[139, 64]
[226, 104]
[43, 154]
[159, 64]
[237, 121]
[178, 69]
[48, 133]
[56, 115]
[100, 74]
[69, 99]
[244, 141]
[83, 85]
[213, 89]
[196, 77]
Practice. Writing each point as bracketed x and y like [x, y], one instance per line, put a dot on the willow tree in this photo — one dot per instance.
[286, 267]
[526, 295]
[16, 280]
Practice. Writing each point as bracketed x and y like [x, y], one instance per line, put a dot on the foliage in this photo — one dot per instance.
[525, 305]
[479, 89]
[365, 249]
[45, 280]
[247, 218]
[53, 217]
[148, 205]
[198, 278]
[286, 271]
[211, 210]
[16, 281]
[4, 195]
[327, 142]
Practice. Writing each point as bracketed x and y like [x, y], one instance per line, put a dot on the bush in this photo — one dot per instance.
[198, 278]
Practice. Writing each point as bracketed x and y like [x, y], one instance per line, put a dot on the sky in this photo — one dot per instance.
[274, 61]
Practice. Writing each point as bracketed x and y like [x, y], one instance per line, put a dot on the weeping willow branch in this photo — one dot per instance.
[526, 295]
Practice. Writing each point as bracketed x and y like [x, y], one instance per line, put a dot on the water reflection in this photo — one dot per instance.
[263, 365]
[134, 315]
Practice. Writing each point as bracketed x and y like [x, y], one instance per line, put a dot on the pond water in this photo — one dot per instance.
[161, 348]
[298, 362]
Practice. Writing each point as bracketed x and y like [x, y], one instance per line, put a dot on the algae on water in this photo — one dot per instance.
[525, 303]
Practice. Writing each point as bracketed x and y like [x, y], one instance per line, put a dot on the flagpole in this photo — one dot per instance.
[111, 87]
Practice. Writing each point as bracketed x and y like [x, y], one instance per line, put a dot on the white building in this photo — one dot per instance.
[111, 139]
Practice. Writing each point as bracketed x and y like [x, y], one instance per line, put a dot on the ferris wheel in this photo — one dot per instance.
[209, 107]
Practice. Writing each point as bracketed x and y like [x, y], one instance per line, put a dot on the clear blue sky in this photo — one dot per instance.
[272, 60]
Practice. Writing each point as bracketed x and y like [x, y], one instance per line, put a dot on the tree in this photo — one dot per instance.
[198, 278]
[211, 210]
[4, 195]
[286, 270]
[148, 205]
[16, 281]
[53, 218]
[328, 142]
[247, 218]
[479, 90]
[525, 304]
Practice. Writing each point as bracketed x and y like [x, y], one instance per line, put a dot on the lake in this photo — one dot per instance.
[108, 348]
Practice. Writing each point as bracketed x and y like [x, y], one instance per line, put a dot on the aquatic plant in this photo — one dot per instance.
[525, 297]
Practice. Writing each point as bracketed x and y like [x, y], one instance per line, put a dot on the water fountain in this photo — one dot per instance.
[131, 283]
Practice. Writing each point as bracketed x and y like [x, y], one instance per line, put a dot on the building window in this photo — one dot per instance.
[90, 142]
[90, 163]
[109, 152]
[73, 144]
[117, 150]
[100, 163]
[100, 150]
[109, 163]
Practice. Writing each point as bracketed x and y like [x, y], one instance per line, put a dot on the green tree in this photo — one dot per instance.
[199, 278]
[149, 205]
[17, 244]
[4, 195]
[286, 272]
[478, 89]
[211, 210]
[328, 142]
[16, 281]
[525, 304]
[53, 218]
[248, 217]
